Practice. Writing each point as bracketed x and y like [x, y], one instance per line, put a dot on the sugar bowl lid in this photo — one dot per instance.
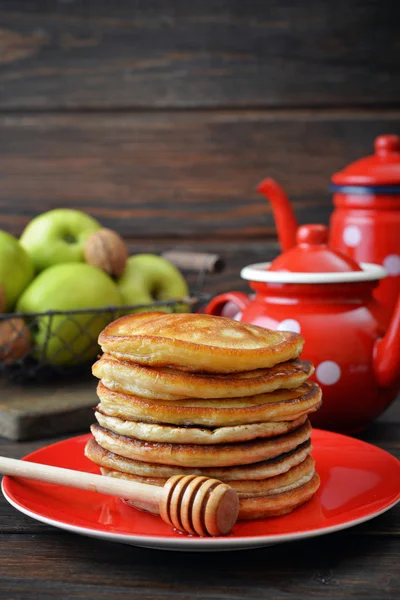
[379, 169]
[312, 261]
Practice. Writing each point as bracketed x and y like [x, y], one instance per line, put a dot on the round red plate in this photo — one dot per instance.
[358, 482]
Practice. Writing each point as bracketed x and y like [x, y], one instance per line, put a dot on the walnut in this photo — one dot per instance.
[15, 340]
[107, 250]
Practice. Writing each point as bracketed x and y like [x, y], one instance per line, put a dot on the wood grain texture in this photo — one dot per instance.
[42, 410]
[63, 565]
[158, 53]
[177, 176]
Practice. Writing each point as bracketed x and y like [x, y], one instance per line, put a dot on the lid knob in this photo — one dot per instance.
[386, 144]
[315, 235]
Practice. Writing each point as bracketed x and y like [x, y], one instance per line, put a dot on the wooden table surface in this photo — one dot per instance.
[38, 561]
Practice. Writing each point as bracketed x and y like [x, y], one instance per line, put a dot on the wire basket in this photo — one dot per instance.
[41, 346]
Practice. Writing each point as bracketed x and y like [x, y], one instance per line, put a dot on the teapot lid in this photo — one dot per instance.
[381, 168]
[312, 255]
[312, 261]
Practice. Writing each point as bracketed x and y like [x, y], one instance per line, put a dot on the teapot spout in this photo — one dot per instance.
[285, 219]
[387, 352]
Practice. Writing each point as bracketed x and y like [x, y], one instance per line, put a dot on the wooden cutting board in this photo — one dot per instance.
[31, 412]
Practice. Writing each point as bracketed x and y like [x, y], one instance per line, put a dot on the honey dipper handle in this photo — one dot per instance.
[147, 495]
[198, 505]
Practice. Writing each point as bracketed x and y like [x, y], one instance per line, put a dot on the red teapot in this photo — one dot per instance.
[327, 297]
[365, 224]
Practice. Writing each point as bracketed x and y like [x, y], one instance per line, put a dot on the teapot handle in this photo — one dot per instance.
[387, 352]
[215, 306]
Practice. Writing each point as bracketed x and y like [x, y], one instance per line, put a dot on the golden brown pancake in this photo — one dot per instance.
[265, 506]
[294, 477]
[197, 342]
[280, 405]
[196, 455]
[171, 434]
[202, 395]
[256, 471]
[172, 384]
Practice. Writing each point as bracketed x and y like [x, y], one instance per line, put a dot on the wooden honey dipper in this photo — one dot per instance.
[196, 505]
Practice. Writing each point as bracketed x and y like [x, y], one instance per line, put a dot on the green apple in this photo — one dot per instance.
[58, 236]
[148, 277]
[68, 339]
[16, 269]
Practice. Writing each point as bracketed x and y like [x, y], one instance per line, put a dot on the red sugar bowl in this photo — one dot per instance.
[327, 297]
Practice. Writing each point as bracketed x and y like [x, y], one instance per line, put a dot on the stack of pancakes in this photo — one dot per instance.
[196, 394]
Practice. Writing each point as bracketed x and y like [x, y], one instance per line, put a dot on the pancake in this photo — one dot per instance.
[280, 405]
[255, 471]
[161, 433]
[197, 342]
[295, 477]
[171, 384]
[266, 506]
[196, 455]
[263, 507]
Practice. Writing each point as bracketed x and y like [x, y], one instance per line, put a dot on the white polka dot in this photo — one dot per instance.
[238, 316]
[352, 236]
[289, 325]
[328, 372]
[392, 264]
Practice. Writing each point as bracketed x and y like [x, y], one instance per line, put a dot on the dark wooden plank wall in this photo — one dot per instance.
[202, 53]
[159, 117]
